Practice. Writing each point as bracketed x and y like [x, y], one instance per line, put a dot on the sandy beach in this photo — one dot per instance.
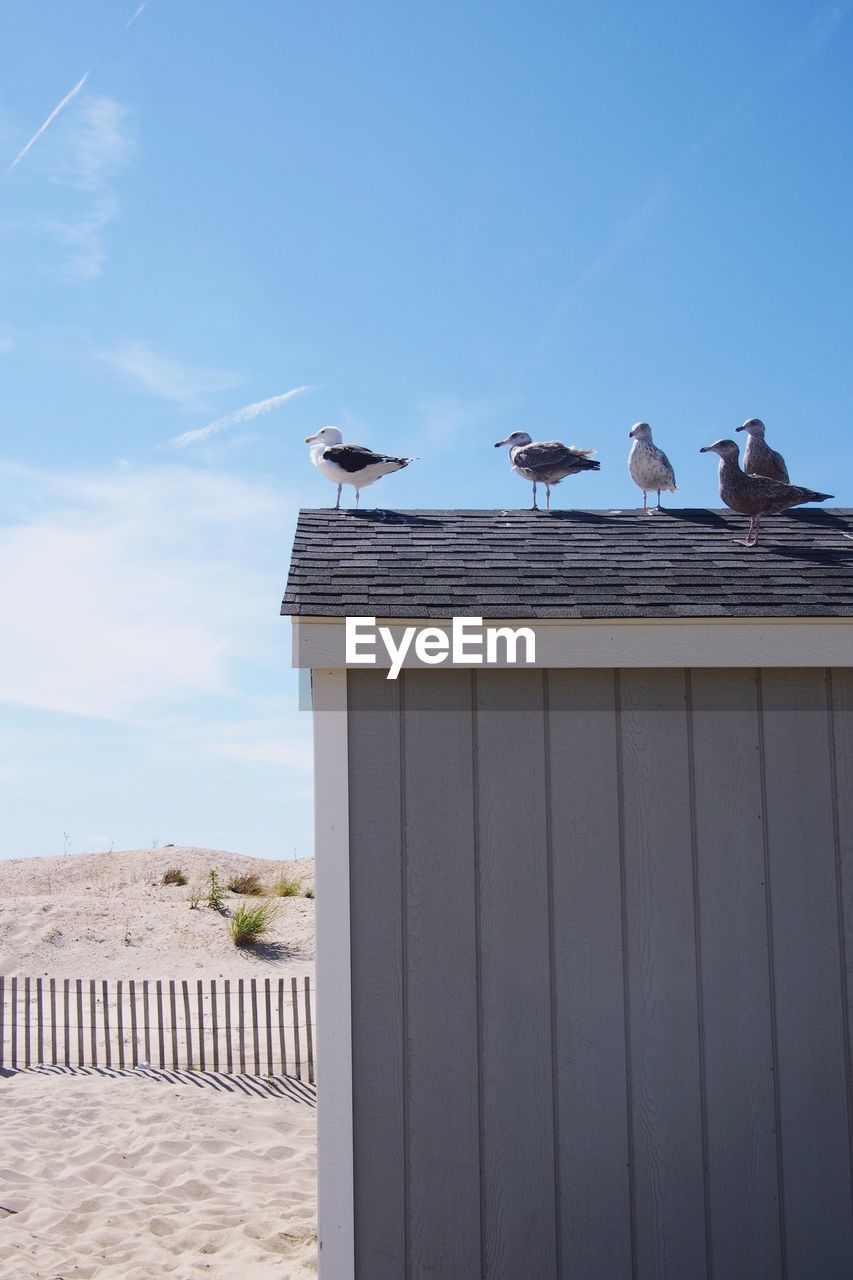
[136, 1174]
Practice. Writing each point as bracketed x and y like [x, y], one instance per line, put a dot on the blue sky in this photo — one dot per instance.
[432, 227]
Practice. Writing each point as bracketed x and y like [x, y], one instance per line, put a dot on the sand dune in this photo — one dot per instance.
[108, 915]
[134, 1175]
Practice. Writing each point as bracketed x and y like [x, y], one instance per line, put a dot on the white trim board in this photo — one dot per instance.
[336, 1228]
[647, 642]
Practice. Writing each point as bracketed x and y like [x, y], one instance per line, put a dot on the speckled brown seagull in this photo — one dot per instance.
[755, 496]
[649, 466]
[545, 462]
[758, 458]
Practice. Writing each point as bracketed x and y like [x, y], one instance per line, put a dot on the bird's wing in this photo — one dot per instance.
[780, 465]
[353, 457]
[550, 453]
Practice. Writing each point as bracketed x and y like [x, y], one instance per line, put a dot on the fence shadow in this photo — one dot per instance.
[289, 1087]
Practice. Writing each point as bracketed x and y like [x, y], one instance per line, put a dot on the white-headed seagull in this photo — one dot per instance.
[349, 463]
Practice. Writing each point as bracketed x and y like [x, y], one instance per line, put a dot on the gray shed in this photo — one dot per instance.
[585, 926]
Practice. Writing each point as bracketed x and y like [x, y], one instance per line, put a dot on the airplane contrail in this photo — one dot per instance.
[49, 121]
[133, 17]
[246, 414]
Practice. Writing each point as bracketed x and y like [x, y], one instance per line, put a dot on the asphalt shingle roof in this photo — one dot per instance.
[569, 564]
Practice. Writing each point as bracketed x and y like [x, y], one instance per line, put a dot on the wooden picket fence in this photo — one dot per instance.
[257, 1025]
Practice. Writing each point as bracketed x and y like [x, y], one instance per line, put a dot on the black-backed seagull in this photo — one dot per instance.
[758, 458]
[755, 496]
[349, 463]
[545, 462]
[648, 465]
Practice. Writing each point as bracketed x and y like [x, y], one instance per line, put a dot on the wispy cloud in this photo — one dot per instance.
[168, 584]
[57, 110]
[165, 377]
[247, 414]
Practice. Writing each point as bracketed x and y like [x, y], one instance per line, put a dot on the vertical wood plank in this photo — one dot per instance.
[2, 1021]
[841, 725]
[161, 1025]
[54, 1054]
[743, 1160]
[376, 915]
[120, 1023]
[440, 942]
[214, 1018]
[187, 1024]
[663, 1008]
[294, 1009]
[255, 1032]
[268, 1017]
[39, 1022]
[229, 1053]
[808, 965]
[93, 1022]
[134, 1025]
[146, 1020]
[66, 1010]
[173, 1012]
[282, 1046]
[241, 1026]
[105, 996]
[27, 1019]
[201, 1056]
[516, 1048]
[81, 1053]
[309, 1031]
[593, 1157]
[14, 1013]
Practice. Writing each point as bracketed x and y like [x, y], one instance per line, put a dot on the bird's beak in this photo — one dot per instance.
[740, 428]
[631, 432]
[310, 439]
[499, 443]
[706, 448]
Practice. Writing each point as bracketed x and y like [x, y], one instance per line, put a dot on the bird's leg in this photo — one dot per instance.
[357, 496]
[645, 504]
[547, 497]
[751, 534]
[658, 507]
[534, 507]
[337, 505]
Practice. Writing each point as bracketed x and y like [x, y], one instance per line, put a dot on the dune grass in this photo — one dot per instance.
[248, 884]
[250, 924]
[175, 875]
[284, 887]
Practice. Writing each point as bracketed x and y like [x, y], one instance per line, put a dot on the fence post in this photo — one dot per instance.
[108, 1052]
[174, 1011]
[200, 1026]
[39, 1023]
[146, 1019]
[255, 1042]
[309, 1032]
[241, 1026]
[215, 1020]
[2, 1021]
[66, 1011]
[229, 1058]
[27, 1062]
[160, 1024]
[93, 1018]
[295, 1011]
[268, 1013]
[188, 1034]
[281, 1037]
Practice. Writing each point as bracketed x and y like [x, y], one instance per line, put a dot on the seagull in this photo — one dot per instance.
[545, 462]
[349, 463]
[755, 496]
[758, 458]
[649, 466]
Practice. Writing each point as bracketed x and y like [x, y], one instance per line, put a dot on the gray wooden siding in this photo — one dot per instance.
[602, 938]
